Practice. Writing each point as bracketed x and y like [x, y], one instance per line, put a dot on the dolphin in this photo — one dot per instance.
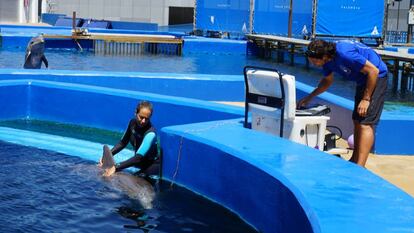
[135, 187]
[35, 53]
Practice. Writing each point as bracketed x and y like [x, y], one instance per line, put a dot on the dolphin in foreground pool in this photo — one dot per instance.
[35, 53]
[135, 187]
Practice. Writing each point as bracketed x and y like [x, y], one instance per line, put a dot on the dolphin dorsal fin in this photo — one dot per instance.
[108, 162]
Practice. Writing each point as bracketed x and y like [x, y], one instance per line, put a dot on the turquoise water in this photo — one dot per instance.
[54, 128]
[396, 108]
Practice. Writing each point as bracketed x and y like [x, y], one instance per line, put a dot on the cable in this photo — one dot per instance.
[181, 145]
[337, 128]
[178, 162]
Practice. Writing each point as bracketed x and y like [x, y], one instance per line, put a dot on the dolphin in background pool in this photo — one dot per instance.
[35, 53]
[135, 187]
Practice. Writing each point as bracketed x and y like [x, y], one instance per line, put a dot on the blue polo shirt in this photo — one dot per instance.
[349, 60]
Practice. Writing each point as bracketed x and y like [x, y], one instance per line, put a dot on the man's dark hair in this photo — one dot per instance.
[319, 48]
[144, 104]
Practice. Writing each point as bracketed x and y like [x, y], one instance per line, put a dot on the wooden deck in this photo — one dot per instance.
[400, 61]
[126, 38]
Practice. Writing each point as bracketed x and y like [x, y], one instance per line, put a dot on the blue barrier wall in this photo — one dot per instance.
[212, 45]
[198, 86]
[222, 15]
[274, 184]
[394, 134]
[51, 18]
[106, 107]
[134, 25]
[14, 101]
[279, 186]
[271, 17]
[67, 22]
[359, 18]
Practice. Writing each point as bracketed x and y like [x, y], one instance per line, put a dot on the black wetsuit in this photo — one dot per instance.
[135, 134]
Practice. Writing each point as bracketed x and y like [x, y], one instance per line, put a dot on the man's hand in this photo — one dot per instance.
[363, 107]
[303, 102]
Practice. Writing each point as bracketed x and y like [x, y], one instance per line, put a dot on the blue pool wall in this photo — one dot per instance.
[223, 175]
[214, 45]
[197, 86]
[226, 88]
[101, 107]
[394, 134]
[51, 18]
[274, 184]
[258, 176]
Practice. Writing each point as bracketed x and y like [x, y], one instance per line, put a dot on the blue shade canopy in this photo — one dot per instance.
[223, 15]
[359, 18]
[272, 16]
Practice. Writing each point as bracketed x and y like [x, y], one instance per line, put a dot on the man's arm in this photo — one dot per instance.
[323, 85]
[372, 75]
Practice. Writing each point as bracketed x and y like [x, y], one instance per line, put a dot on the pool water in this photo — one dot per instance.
[46, 191]
[192, 63]
[398, 108]
[65, 130]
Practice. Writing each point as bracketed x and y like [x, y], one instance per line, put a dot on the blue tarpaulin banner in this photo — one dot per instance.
[272, 16]
[223, 15]
[359, 18]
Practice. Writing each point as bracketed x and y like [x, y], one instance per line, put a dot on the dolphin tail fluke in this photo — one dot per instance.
[107, 162]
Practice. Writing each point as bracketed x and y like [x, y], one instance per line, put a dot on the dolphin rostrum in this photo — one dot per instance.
[135, 187]
[35, 53]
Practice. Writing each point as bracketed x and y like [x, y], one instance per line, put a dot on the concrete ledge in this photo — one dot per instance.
[280, 186]
[198, 86]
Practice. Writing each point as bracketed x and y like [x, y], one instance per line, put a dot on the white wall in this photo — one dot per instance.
[398, 16]
[13, 11]
[151, 11]
[9, 11]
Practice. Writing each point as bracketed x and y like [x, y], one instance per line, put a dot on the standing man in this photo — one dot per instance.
[361, 64]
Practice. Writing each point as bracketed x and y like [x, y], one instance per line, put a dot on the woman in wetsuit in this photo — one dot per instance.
[141, 134]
